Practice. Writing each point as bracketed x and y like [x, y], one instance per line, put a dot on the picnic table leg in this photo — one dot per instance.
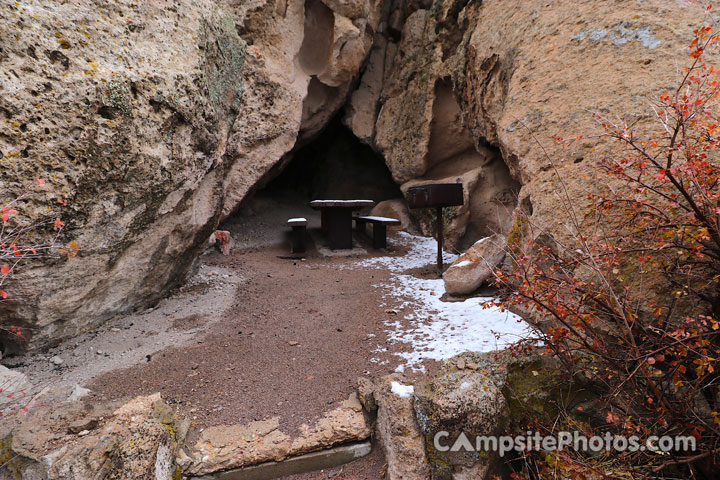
[298, 240]
[340, 228]
[360, 226]
[379, 235]
[324, 219]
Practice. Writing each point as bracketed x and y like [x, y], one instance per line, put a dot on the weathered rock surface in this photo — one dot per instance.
[459, 401]
[397, 429]
[12, 384]
[151, 122]
[136, 440]
[475, 267]
[234, 446]
[515, 75]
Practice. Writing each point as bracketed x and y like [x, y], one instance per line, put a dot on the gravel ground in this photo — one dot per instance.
[253, 335]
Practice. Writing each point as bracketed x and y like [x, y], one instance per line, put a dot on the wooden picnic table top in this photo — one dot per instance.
[341, 203]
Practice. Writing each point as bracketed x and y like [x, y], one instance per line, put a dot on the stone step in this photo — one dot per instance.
[310, 462]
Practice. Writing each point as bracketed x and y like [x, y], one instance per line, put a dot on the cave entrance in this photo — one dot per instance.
[335, 165]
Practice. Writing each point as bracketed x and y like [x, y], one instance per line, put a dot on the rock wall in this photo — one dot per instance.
[476, 92]
[152, 121]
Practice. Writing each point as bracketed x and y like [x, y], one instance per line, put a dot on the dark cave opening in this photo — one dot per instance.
[335, 165]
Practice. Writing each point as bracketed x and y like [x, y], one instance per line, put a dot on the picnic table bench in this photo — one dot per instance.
[336, 219]
[299, 231]
[380, 224]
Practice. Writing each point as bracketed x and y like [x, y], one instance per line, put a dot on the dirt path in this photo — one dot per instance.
[293, 345]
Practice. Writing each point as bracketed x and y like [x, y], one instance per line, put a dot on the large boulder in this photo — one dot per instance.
[460, 402]
[135, 440]
[150, 122]
[475, 267]
[397, 209]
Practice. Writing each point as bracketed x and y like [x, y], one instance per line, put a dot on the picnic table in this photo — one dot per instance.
[336, 219]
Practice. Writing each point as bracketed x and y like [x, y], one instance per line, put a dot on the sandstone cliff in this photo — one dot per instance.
[152, 121]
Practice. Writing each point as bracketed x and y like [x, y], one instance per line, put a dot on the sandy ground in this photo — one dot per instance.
[262, 333]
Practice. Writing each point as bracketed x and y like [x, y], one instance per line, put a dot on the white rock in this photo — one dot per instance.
[475, 267]
[56, 360]
[78, 392]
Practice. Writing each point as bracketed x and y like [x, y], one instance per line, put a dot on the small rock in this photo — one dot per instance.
[461, 364]
[83, 433]
[292, 343]
[114, 329]
[83, 425]
[56, 360]
[78, 392]
[12, 381]
[223, 241]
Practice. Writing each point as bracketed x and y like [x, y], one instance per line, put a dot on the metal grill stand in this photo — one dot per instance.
[438, 196]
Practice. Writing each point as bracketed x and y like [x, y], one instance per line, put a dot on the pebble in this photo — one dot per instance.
[56, 360]
[83, 433]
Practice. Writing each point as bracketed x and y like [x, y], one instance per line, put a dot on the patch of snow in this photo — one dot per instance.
[435, 329]
[440, 330]
[423, 251]
[464, 263]
[402, 390]
[299, 219]
[378, 219]
[465, 385]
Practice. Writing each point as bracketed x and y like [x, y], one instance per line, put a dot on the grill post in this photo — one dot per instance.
[440, 228]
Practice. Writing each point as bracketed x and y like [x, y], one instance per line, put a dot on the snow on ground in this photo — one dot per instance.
[436, 329]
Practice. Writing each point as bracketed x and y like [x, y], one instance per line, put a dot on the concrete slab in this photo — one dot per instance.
[329, 458]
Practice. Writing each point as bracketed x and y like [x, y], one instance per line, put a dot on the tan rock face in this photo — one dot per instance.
[397, 429]
[396, 209]
[523, 74]
[152, 121]
[137, 440]
[459, 400]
